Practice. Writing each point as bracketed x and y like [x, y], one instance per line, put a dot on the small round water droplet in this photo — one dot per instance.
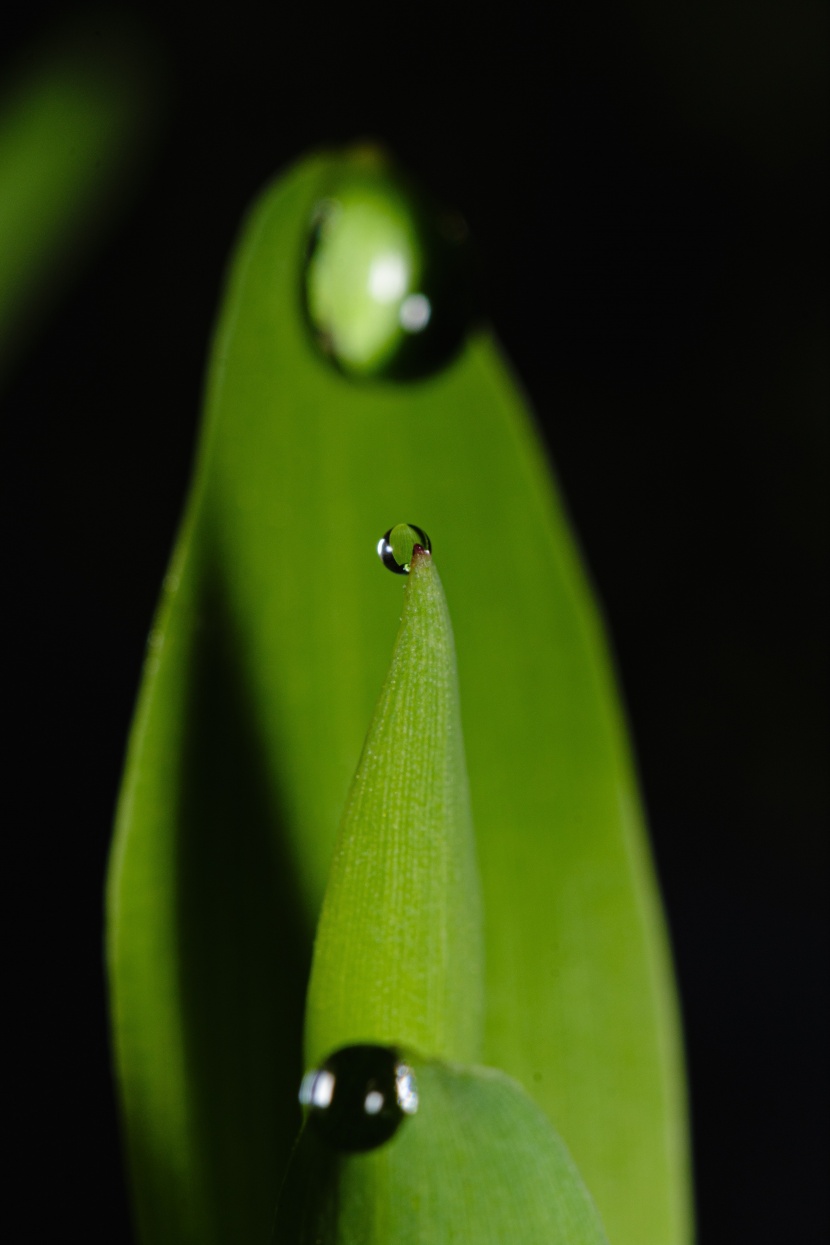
[396, 546]
[388, 281]
[359, 1097]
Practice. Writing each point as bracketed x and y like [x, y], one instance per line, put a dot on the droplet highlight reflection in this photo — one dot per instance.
[396, 546]
[388, 281]
[359, 1097]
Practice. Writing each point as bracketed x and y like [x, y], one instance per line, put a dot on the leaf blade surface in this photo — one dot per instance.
[477, 1162]
[299, 472]
[398, 955]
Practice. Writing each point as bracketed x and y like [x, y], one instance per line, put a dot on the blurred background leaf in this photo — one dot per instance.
[658, 274]
[78, 112]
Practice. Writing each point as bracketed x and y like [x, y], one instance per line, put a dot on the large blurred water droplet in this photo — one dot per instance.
[388, 280]
[359, 1097]
[396, 546]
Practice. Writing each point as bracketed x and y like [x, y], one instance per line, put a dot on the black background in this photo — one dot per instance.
[645, 184]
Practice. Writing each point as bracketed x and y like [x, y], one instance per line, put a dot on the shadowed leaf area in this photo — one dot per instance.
[227, 1027]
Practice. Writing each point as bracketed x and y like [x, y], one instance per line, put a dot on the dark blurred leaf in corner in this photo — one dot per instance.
[79, 110]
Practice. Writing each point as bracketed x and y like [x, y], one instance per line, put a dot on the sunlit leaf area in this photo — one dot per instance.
[482, 901]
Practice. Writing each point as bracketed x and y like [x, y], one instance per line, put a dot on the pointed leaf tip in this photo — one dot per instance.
[398, 957]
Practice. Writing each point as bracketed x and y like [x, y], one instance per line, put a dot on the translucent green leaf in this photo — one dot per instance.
[398, 1149]
[398, 956]
[262, 674]
[478, 1162]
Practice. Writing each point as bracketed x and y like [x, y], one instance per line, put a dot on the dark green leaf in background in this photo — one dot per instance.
[77, 114]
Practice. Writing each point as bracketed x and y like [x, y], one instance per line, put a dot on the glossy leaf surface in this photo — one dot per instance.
[263, 671]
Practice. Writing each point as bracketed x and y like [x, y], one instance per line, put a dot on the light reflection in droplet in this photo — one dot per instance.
[374, 1102]
[388, 278]
[317, 1089]
[415, 312]
[406, 1091]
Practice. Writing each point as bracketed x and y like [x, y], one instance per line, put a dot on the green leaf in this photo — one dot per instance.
[263, 669]
[398, 956]
[478, 1162]
[75, 118]
[447, 1153]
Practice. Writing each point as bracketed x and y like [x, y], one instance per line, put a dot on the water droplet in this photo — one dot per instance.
[359, 1097]
[389, 278]
[396, 546]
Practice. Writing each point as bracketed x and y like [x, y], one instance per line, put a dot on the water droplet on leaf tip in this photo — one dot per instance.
[395, 547]
[359, 1097]
[388, 280]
